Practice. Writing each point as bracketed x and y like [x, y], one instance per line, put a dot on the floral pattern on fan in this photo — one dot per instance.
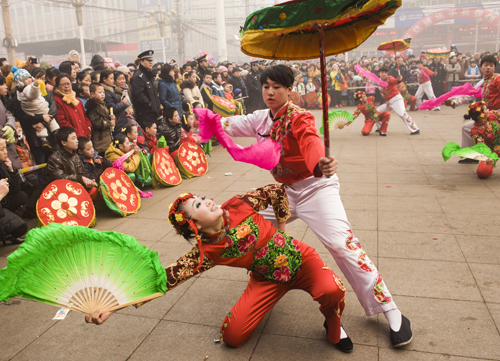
[119, 192]
[164, 168]
[65, 202]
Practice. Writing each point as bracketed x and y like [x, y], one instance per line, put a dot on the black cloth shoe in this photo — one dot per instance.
[404, 335]
[345, 344]
[468, 161]
[417, 132]
[382, 134]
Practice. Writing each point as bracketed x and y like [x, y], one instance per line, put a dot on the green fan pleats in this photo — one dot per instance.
[58, 264]
[474, 152]
[337, 119]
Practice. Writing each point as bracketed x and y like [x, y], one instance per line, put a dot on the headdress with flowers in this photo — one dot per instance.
[359, 95]
[184, 225]
[476, 112]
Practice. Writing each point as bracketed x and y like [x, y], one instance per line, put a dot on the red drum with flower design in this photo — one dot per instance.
[312, 99]
[119, 192]
[164, 169]
[296, 99]
[191, 160]
[66, 202]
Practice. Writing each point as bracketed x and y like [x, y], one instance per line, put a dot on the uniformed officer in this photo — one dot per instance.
[262, 66]
[255, 100]
[202, 68]
[145, 97]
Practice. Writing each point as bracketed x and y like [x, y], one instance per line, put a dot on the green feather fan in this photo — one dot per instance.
[337, 119]
[82, 269]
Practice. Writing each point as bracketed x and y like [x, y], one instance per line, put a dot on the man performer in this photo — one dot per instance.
[394, 100]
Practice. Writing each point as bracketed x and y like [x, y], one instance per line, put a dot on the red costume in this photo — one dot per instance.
[391, 90]
[277, 262]
[489, 134]
[372, 116]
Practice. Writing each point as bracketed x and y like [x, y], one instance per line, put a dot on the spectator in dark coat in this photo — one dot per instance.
[113, 100]
[170, 96]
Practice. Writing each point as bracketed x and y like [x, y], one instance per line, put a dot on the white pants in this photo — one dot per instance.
[317, 202]
[466, 136]
[397, 104]
[424, 88]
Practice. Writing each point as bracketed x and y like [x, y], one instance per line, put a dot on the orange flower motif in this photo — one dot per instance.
[280, 261]
[243, 230]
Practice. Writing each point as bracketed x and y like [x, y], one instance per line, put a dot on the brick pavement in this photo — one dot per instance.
[431, 228]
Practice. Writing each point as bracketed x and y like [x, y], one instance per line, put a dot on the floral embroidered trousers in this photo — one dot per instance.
[261, 295]
[398, 105]
[317, 202]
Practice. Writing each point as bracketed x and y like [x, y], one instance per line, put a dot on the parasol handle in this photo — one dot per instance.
[324, 91]
[396, 57]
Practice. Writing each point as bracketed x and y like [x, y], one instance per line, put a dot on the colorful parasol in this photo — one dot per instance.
[437, 53]
[307, 29]
[395, 46]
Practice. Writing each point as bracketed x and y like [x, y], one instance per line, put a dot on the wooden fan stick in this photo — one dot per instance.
[144, 299]
[70, 279]
[84, 276]
[396, 57]
[100, 290]
[123, 292]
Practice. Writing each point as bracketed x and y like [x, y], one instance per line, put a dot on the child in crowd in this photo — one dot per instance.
[93, 164]
[486, 130]
[217, 88]
[189, 136]
[32, 101]
[82, 91]
[102, 121]
[236, 235]
[135, 136]
[150, 130]
[65, 163]
[120, 146]
[228, 91]
[372, 116]
[84, 77]
[310, 86]
[206, 91]
[197, 105]
[170, 128]
[95, 77]
[190, 89]
[25, 156]
[473, 74]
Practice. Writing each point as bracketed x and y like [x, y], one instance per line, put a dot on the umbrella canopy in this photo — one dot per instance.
[437, 53]
[289, 31]
[395, 45]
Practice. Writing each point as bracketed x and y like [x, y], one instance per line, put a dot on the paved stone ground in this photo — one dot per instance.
[431, 227]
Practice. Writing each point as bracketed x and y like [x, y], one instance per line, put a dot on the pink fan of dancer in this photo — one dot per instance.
[466, 89]
[265, 154]
[370, 75]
